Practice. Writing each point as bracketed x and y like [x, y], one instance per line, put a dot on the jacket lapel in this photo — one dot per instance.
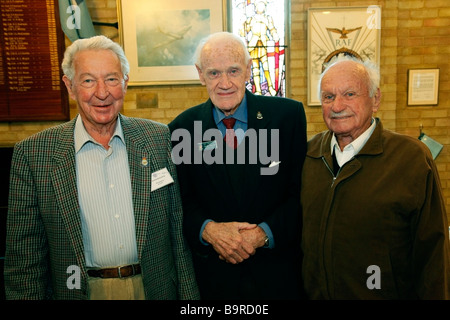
[141, 159]
[64, 182]
[258, 113]
[217, 172]
[258, 119]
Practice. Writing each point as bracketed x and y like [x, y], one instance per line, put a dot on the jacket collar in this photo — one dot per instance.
[319, 146]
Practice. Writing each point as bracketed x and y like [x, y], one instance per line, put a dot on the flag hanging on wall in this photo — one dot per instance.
[75, 19]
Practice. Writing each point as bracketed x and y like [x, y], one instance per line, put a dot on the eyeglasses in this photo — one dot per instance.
[109, 82]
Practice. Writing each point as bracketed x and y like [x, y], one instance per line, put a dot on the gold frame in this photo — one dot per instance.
[354, 31]
[151, 73]
[423, 87]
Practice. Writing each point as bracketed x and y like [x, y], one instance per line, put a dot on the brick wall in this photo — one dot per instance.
[424, 42]
[414, 34]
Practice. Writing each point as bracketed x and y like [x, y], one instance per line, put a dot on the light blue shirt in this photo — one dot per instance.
[241, 116]
[105, 198]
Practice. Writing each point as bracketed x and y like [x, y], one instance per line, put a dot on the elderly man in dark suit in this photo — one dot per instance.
[240, 197]
[94, 207]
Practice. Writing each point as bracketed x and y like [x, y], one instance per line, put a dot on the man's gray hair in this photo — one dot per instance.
[93, 43]
[220, 37]
[373, 72]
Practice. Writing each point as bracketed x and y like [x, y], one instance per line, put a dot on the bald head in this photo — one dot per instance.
[220, 42]
[366, 70]
[352, 69]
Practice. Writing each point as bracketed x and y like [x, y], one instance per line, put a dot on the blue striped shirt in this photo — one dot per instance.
[105, 198]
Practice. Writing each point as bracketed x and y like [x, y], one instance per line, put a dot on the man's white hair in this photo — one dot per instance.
[93, 43]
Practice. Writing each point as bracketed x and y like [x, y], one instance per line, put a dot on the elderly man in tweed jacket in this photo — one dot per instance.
[78, 224]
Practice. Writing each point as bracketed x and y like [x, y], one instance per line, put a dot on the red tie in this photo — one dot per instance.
[230, 137]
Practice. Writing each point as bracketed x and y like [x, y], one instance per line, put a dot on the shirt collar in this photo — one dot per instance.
[356, 144]
[240, 114]
[81, 136]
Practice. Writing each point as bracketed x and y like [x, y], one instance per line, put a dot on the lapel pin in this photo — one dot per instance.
[144, 162]
[259, 115]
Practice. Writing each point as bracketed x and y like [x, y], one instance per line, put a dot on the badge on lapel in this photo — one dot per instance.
[259, 115]
[144, 162]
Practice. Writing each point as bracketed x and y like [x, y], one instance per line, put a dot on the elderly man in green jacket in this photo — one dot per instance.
[94, 205]
[375, 225]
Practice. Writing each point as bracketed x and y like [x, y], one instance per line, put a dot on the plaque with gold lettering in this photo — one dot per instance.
[31, 51]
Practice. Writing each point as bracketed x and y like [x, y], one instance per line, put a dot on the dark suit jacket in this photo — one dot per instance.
[44, 236]
[209, 191]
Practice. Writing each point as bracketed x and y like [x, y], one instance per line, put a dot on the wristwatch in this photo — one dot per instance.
[266, 242]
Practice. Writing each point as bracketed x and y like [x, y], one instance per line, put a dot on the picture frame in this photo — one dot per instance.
[423, 87]
[160, 41]
[354, 31]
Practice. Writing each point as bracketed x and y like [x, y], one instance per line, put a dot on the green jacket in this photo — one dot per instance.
[44, 236]
[378, 230]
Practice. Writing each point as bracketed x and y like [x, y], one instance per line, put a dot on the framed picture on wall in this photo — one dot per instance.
[353, 31]
[423, 87]
[160, 37]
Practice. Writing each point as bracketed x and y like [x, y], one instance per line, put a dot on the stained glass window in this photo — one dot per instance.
[261, 24]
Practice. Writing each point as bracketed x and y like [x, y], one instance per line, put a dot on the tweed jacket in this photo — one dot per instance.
[208, 192]
[44, 236]
[378, 229]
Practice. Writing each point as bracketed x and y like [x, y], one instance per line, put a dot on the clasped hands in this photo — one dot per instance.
[234, 241]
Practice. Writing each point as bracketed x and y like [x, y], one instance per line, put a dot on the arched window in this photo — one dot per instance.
[262, 25]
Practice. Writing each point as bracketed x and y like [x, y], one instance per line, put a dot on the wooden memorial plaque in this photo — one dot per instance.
[31, 50]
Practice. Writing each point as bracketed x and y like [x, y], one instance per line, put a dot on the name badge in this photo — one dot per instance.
[160, 179]
[208, 145]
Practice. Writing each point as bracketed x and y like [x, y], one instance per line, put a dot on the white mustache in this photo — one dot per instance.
[339, 114]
